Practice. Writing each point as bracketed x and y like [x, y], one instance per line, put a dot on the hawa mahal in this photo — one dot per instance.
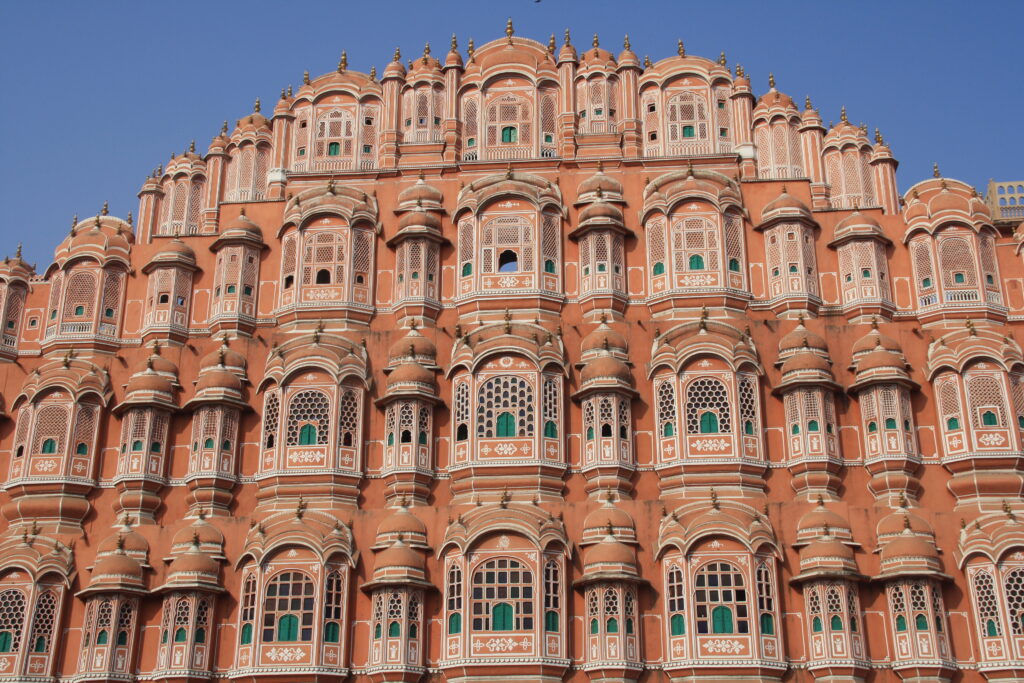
[533, 362]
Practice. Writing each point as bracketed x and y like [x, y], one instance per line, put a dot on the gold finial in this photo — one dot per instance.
[878, 137]
[771, 81]
[821, 501]
[679, 48]
[505, 498]
[970, 327]
[567, 41]
[595, 42]
[842, 115]
[721, 58]
[508, 322]
[508, 172]
[398, 56]
[807, 102]
[625, 42]
[282, 94]
[647, 61]
[509, 31]
[470, 48]
[343, 62]
[827, 529]
[305, 78]
[373, 73]
[300, 508]
[902, 500]
[551, 44]
[74, 222]
[192, 147]
[106, 209]
[426, 52]
[906, 522]
[17, 254]
[256, 106]
[454, 43]
[290, 91]
[935, 171]
[1009, 511]
[330, 185]
[224, 128]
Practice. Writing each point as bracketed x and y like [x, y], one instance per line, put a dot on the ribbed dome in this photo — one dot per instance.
[419, 219]
[825, 549]
[223, 355]
[412, 345]
[175, 249]
[219, 379]
[117, 566]
[602, 211]
[194, 562]
[149, 381]
[857, 223]
[399, 555]
[908, 547]
[603, 337]
[420, 192]
[821, 518]
[411, 373]
[874, 339]
[128, 540]
[402, 522]
[609, 551]
[897, 522]
[805, 361]
[206, 533]
[600, 183]
[795, 339]
[784, 204]
[880, 359]
[605, 367]
[606, 515]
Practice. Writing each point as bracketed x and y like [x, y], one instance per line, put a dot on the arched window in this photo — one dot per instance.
[323, 277]
[49, 446]
[509, 134]
[667, 408]
[707, 406]
[454, 599]
[288, 608]
[1013, 587]
[552, 595]
[12, 618]
[508, 262]
[503, 595]
[308, 409]
[720, 600]
[676, 602]
[454, 624]
[509, 395]
[506, 425]
[659, 268]
[307, 435]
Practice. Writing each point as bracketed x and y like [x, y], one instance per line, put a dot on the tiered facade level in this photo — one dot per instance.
[534, 364]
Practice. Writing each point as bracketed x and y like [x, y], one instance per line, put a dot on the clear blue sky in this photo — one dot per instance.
[96, 94]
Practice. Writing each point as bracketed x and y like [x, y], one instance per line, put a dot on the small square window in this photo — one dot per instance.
[302, 151]
[652, 108]
[586, 270]
[601, 267]
[611, 113]
[181, 301]
[548, 137]
[367, 149]
[653, 135]
[437, 120]
[423, 120]
[471, 142]
[303, 124]
[368, 121]
[723, 132]
[408, 122]
[849, 277]
[33, 322]
[599, 112]
[248, 290]
[721, 104]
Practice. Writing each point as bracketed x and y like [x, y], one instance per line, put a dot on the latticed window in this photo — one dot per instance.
[656, 254]
[309, 415]
[461, 411]
[44, 619]
[288, 608]
[748, 404]
[508, 245]
[957, 263]
[334, 134]
[552, 398]
[247, 614]
[333, 605]
[813, 598]
[12, 619]
[695, 244]
[707, 407]
[271, 418]
[720, 600]
[552, 595]
[667, 408]
[453, 599]
[987, 605]
[509, 120]
[687, 118]
[505, 407]
[765, 599]
[676, 601]
[949, 401]
[1013, 587]
[503, 596]
[348, 418]
[987, 401]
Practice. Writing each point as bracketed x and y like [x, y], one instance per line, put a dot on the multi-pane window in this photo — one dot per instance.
[503, 596]
[288, 608]
[505, 407]
[309, 415]
[707, 407]
[720, 600]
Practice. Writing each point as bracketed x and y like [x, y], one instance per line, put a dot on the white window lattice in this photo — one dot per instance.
[308, 407]
[506, 393]
[703, 395]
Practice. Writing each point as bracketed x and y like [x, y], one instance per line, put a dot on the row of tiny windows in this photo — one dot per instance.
[80, 311]
[722, 622]
[696, 262]
[505, 426]
[958, 279]
[708, 425]
[1003, 189]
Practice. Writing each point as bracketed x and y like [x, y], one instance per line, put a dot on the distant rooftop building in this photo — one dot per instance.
[1006, 199]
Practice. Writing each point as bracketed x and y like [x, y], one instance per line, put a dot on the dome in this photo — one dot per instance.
[825, 549]
[806, 361]
[908, 547]
[599, 183]
[800, 334]
[241, 227]
[897, 522]
[150, 382]
[420, 192]
[603, 337]
[206, 533]
[608, 515]
[223, 356]
[601, 210]
[399, 555]
[127, 540]
[194, 562]
[412, 345]
[784, 205]
[402, 522]
[858, 223]
[605, 367]
[176, 249]
[609, 551]
[419, 219]
[874, 339]
[949, 201]
[820, 519]
[117, 565]
[880, 358]
[219, 379]
[411, 373]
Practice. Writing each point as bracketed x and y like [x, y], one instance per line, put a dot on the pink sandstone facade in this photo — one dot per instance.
[533, 363]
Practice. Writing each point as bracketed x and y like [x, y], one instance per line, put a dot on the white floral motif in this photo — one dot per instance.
[305, 456]
[285, 654]
[505, 449]
[46, 465]
[508, 281]
[710, 444]
[724, 646]
[992, 439]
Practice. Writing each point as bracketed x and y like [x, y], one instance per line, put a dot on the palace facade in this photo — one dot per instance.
[531, 363]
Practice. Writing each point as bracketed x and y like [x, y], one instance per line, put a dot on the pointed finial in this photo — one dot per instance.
[714, 500]
[305, 78]
[17, 254]
[454, 43]
[509, 31]
[398, 55]
[1009, 511]
[906, 522]
[902, 502]
[223, 129]
[470, 48]
[505, 498]
[807, 103]
[508, 322]
[551, 44]
[595, 42]
[721, 58]
[679, 48]
[256, 106]
[283, 96]
[842, 115]
[508, 172]
[343, 62]
[821, 501]
[106, 209]
[625, 42]
[647, 61]
[426, 52]
[567, 41]
[935, 171]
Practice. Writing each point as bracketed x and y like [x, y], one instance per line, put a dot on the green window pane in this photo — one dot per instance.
[921, 622]
[79, 310]
[423, 438]
[376, 631]
[6, 639]
[721, 620]
[688, 132]
[594, 627]
[795, 429]
[990, 628]
[812, 426]
[467, 269]
[696, 262]
[509, 134]
[590, 433]
[901, 624]
[816, 625]
[180, 636]
[307, 435]
[246, 634]
[332, 632]
[122, 638]
[549, 266]
[748, 427]
[668, 429]
[659, 268]
[872, 427]
[551, 620]
[136, 445]
[501, 617]
[612, 625]
[890, 423]
[333, 149]
[506, 425]
[708, 423]
[678, 625]
[394, 629]
[988, 418]
[287, 629]
[40, 644]
[550, 430]
[454, 624]
[767, 625]
[49, 446]
[835, 623]
[958, 278]
[200, 635]
[102, 637]
[81, 449]
[734, 265]
[208, 443]
[953, 423]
